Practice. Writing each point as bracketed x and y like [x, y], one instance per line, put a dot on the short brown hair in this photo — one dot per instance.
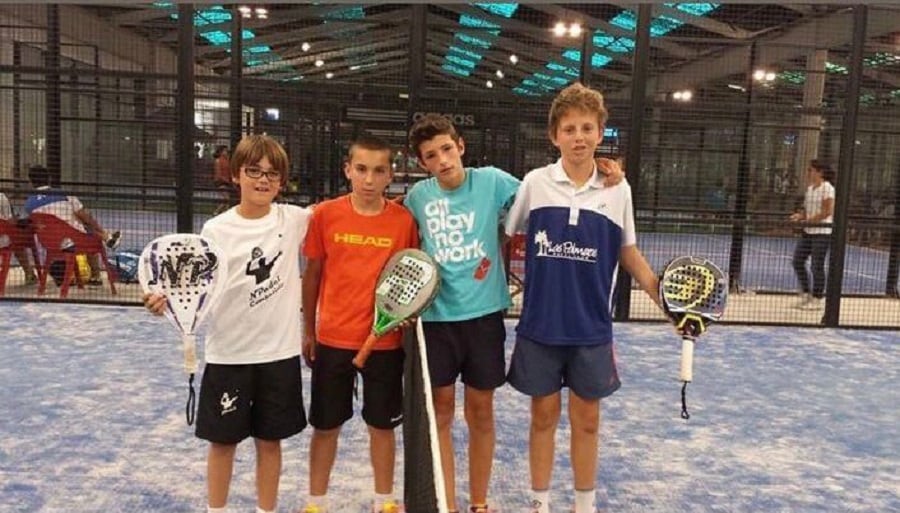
[371, 143]
[428, 127]
[253, 148]
[823, 167]
[576, 97]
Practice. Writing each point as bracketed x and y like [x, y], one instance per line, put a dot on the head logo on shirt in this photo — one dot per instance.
[567, 250]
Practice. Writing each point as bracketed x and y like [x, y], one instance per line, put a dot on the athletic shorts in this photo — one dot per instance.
[334, 386]
[262, 400]
[472, 348]
[539, 369]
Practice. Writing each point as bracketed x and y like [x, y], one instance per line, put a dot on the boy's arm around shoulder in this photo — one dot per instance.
[636, 265]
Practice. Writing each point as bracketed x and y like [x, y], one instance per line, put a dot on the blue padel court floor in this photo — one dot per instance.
[783, 420]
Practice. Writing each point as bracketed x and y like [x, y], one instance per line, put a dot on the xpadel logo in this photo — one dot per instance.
[227, 402]
[567, 250]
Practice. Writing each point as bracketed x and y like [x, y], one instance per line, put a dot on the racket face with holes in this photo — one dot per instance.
[189, 270]
[406, 286]
[693, 285]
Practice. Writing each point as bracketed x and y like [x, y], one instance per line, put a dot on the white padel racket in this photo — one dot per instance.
[190, 271]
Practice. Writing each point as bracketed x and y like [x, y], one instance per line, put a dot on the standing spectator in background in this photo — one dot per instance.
[222, 179]
[818, 209]
[48, 199]
[22, 237]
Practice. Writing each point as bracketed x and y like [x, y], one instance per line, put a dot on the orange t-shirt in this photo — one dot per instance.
[354, 249]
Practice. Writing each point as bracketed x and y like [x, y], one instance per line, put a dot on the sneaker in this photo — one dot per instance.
[814, 303]
[803, 301]
[112, 242]
[481, 509]
[390, 506]
[535, 506]
[30, 279]
[95, 282]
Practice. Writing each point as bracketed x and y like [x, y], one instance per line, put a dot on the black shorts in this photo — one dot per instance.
[262, 400]
[473, 348]
[334, 386]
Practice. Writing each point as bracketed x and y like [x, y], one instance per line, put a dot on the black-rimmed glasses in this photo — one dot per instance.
[257, 172]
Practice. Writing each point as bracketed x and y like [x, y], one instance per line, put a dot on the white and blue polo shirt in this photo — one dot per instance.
[573, 239]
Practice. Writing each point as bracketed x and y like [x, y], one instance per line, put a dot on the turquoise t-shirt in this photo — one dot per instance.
[460, 229]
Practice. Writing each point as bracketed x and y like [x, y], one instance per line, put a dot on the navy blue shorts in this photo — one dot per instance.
[472, 348]
[334, 386]
[539, 369]
[262, 400]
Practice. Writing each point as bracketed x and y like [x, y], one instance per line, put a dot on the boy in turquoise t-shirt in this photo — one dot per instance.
[459, 211]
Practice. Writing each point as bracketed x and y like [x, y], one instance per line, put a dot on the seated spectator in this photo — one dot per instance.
[49, 199]
[23, 234]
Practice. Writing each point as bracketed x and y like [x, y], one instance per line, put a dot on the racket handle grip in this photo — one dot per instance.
[359, 361]
[189, 342]
[687, 360]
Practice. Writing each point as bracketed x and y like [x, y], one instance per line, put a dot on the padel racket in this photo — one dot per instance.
[190, 271]
[405, 288]
[693, 292]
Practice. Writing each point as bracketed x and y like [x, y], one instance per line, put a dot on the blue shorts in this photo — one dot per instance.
[539, 369]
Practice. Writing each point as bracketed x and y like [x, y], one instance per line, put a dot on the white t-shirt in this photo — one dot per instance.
[5, 207]
[812, 204]
[48, 201]
[258, 317]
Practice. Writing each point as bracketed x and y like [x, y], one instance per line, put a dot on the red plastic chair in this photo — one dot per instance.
[19, 238]
[52, 233]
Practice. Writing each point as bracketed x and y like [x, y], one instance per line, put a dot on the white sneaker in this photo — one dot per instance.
[804, 300]
[814, 303]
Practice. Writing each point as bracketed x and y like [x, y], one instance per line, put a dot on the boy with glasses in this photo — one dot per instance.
[251, 383]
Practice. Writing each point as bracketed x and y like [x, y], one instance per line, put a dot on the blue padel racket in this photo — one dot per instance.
[406, 286]
[190, 271]
[693, 292]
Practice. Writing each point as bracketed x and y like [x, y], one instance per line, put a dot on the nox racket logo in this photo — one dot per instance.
[172, 270]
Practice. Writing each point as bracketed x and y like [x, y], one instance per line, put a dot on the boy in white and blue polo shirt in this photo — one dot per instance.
[578, 231]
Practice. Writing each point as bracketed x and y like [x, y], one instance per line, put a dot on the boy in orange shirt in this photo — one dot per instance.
[350, 238]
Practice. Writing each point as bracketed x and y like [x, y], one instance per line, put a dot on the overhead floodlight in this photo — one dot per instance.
[499, 73]
[513, 59]
[319, 63]
[329, 75]
[305, 46]
[683, 96]
[489, 84]
[560, 29]
[575, 30]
